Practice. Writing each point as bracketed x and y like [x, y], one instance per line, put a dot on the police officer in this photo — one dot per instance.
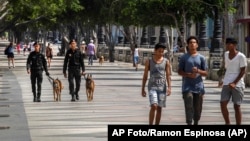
[74, 62]
[36, 64]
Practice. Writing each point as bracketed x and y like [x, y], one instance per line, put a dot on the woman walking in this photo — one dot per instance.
[10, 54]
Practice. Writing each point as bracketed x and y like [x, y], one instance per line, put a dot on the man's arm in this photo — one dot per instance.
[45, 65]
[28, 62]
[241, 74]
[168, 77]
[65, 63]
[82, 62]
[145, 78]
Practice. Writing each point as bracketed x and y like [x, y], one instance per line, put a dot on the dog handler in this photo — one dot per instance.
[36, 64]
[74, 62]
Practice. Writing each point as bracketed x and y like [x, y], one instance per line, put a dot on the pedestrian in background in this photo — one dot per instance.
[9, 51]
[49, 54]
[233, 82]
[18, 47]
[36, 64]
[73, 61]
[25, 48]
[192, 66]
[91, 50]
[136, 57]
[83, 49]
[159, 84]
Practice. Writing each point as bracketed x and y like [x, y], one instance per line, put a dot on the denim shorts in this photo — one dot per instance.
[157, 97]
[136, 59]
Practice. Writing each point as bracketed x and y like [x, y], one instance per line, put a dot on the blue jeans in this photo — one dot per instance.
[91, 57]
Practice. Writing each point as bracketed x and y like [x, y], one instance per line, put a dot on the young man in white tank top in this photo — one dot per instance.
[136, 57]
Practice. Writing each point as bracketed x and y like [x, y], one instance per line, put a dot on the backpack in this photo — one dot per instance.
[6, 51]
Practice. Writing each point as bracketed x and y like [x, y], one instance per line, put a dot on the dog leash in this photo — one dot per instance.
[50, 77]
[50, 80]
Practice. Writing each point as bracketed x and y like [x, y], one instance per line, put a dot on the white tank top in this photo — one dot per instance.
[136, 52]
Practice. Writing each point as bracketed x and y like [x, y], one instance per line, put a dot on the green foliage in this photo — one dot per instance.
[49, 13]
[163, 12]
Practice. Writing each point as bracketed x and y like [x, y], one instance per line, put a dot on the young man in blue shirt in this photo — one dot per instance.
[192, 67]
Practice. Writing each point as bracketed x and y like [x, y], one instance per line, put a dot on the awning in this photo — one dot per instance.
[247, 20]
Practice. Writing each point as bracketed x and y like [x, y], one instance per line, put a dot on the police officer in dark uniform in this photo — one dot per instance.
[36, 64]
[74, 62]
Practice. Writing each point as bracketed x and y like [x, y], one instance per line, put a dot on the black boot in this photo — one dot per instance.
[73, 97]
[34, 99]
[38, 97]
[77, 96]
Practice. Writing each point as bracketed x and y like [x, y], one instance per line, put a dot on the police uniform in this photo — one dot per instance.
[74, 62]
[37, 63]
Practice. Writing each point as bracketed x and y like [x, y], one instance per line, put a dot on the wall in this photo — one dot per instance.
[125, 54]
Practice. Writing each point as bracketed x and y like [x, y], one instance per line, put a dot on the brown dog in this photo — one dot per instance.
[57, 89]
[90, 87]
[101, 60]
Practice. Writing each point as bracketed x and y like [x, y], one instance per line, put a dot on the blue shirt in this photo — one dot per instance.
[187, 62]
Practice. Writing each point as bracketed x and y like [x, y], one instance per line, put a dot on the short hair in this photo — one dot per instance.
[192, 37]
[72, 40]
[91, 41]
[35, 43]
[159, 45]
[231, 40]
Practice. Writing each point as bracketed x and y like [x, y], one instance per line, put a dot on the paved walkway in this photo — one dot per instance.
[117, 100]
